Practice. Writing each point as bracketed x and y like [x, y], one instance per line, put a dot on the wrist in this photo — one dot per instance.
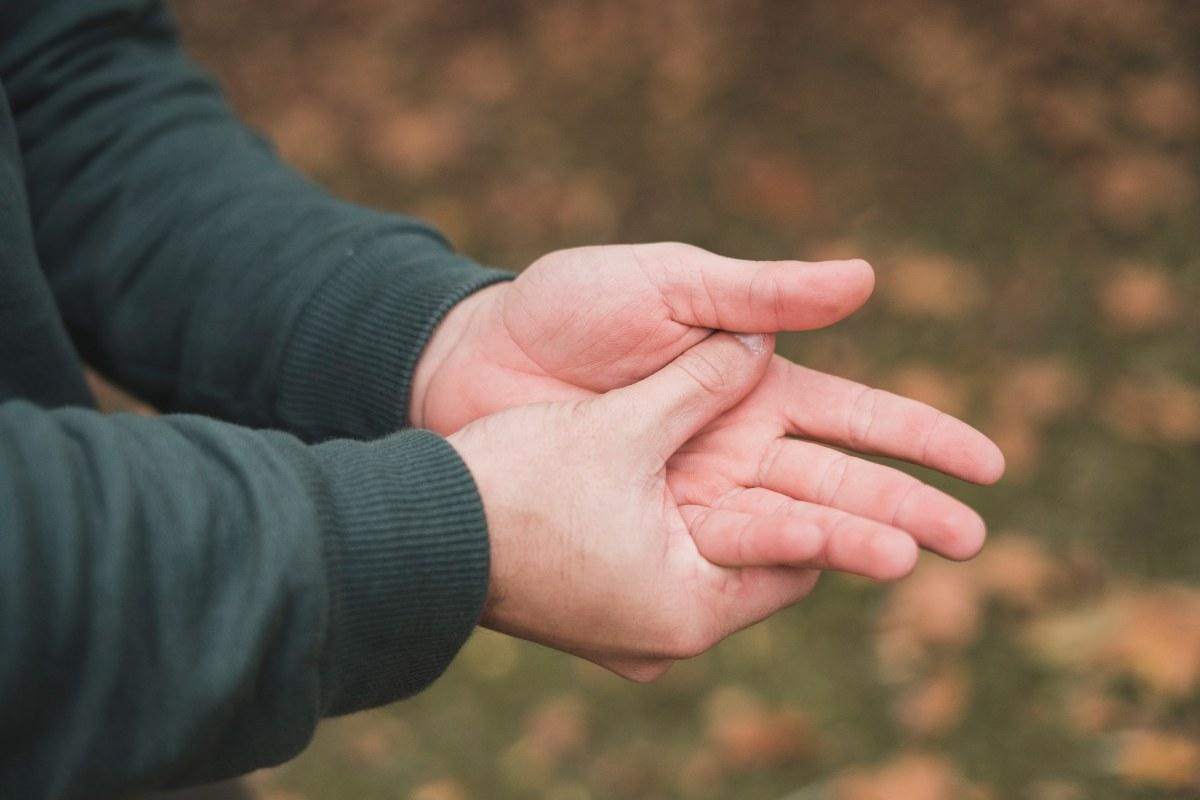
[453, 334]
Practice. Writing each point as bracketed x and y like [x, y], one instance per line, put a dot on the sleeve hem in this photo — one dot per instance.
[349, 366]
[408, 559]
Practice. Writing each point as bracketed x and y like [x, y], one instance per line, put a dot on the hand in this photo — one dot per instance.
[646, 524]
[590, 319]
[591, 553]
[583, 321]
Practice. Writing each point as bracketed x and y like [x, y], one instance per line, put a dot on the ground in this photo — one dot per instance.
[1023, 176]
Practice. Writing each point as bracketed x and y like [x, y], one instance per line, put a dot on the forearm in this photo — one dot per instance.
[189, 262]
[184, 599]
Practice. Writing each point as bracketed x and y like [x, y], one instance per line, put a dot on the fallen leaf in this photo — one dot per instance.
[1151, 634]
[1159, 759]
[1131, 191]
[746, 733]
[418, 142]
[931, 285]
[1039, 389]
[937, 606]
[1138, 297]
[375, 739]
[445, 789]
[929, 385]
[1166, 105]
[1156, 410]
[1070, 118]
[558, 726]
[936, 703]
[1015, 568]
[1020, 441]
[771, 187]
[1091, 709]
[907, 777]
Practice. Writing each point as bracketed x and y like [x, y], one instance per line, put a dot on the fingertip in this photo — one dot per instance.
[966, 534]
[895, 555]
[845, 287]
[992, 465]
[860, 274]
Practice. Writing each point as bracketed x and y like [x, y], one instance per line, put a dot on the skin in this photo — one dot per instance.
[672, 486]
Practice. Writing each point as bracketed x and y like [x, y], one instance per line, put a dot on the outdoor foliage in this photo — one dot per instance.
[1023, 176]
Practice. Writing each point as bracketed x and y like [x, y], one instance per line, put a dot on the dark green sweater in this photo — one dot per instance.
[183, 598]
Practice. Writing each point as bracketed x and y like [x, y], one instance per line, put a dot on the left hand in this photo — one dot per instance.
[590, 319]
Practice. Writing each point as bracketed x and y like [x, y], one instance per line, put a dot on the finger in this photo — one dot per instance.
[829, 477]
[712, 291]
[674, 403]
[758, 528]
[848, 414]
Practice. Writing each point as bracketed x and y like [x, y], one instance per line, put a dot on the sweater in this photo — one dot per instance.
[183, 598]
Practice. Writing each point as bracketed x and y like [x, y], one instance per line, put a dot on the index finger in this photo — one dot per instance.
[841, 412]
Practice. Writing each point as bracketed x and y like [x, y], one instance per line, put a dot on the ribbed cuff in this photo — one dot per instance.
[407, 559]
[348, 369]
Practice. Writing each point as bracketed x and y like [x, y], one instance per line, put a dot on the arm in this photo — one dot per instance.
[182, 600]
[189, 263]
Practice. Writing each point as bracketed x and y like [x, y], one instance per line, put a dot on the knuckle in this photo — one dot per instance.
[707, 374]
[831, 483]
[766, 465]
[862, 417]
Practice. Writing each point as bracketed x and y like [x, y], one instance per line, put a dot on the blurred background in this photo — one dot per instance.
[1023, 176]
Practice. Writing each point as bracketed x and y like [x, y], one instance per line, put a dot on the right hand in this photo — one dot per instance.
[592, 552]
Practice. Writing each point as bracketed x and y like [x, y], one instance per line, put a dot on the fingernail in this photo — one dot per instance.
[754, 342]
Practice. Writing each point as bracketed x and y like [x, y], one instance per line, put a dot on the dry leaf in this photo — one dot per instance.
[1162, 410]
[1139, 297]
[1039, 389]
[375, 739]
[935, 704]
[931, 285]
[747, 734]
[908, 777]
[1155, 758]
[1070, 118]
[1166, 105]
[938, 605]
[770, 187]
[1020, 441]
[1131, 191]
[1092, 709]
[445, 789]
[930, 385]
[1151, 634]
[1016, 568]
[418, 143]
[307, 136]
[558, 727]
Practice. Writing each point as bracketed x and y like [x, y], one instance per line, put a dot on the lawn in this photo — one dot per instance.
[1024, 178]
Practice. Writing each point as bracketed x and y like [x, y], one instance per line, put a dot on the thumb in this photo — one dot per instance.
[672, 405]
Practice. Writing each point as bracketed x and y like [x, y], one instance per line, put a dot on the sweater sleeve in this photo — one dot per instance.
[182, 599]
[189, 263]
